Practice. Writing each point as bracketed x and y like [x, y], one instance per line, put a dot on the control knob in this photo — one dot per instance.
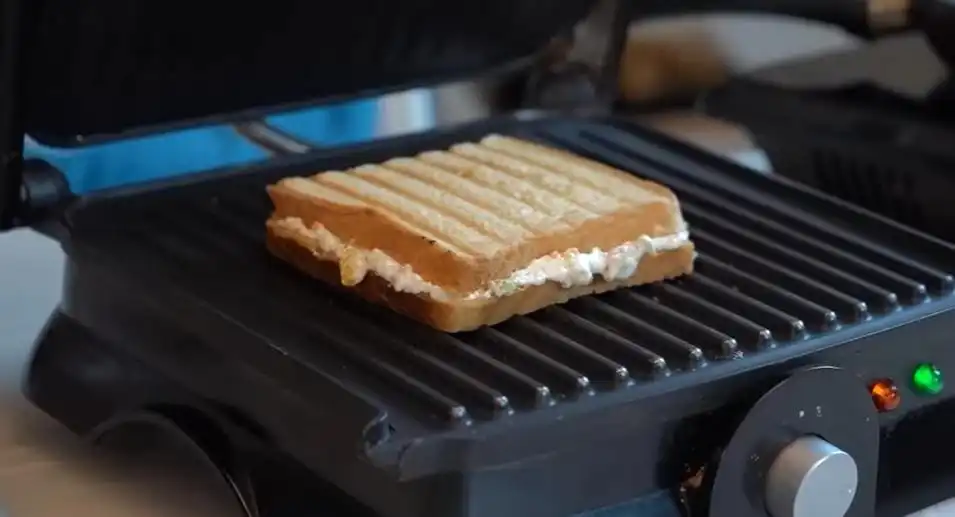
[811, 478]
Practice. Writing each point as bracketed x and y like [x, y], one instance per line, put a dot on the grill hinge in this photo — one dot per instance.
[580, 72]
[44, 192]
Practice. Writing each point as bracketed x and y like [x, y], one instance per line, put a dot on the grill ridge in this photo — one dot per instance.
[797, 261]
[913, 291]
[818, 317]
[711, 316]
[849, 308]
[679, 324]
[599, 368]
[748, 313]
[686, 355]
[567, 381]
[765, 279]
[643, 360]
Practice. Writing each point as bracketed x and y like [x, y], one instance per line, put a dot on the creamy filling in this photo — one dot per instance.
[576, 268]
[570, 268]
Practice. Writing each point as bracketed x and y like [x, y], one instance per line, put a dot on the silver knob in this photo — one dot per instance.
[811, 478]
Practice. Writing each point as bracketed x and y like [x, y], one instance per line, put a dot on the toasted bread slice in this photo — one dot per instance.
[479, 233]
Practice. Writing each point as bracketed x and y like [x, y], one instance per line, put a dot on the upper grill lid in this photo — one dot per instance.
[105, 66]
[71, 70]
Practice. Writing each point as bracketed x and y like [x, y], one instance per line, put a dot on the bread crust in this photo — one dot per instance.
[463, 315]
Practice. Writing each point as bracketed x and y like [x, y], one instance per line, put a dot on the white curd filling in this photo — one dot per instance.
[570, 268]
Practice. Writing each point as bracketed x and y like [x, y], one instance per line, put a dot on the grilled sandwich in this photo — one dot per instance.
[479, 233]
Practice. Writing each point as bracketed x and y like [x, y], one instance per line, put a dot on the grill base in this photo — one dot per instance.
[101, 392]
[84, 382]
[165, 306]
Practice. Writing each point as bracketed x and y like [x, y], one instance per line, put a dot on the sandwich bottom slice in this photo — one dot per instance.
[481, 233]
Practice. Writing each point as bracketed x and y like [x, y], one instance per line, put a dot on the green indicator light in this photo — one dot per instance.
[927, 379]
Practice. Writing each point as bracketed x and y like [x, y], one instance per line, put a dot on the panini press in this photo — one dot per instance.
[799, 370]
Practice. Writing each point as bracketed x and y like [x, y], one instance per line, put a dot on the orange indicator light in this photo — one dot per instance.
[885, 395]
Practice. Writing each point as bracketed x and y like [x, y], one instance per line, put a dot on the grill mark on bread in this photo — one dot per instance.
[476, 218]
[520, 189]
[593, 200]
[619, 184]
[624, 186]
[322, 191]
[413, 219]
[443, 175]
[562, 171]
[480, 196]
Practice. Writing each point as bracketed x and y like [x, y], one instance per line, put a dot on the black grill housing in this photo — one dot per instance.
[378, 404]
[109, 66]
